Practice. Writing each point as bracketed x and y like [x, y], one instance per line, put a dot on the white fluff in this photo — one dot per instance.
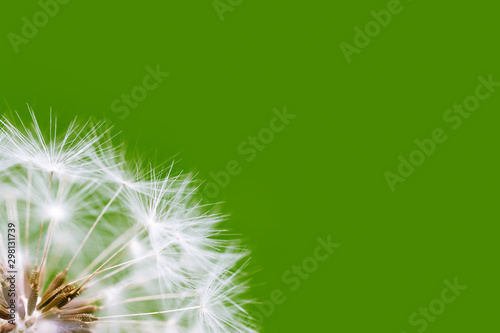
[161, 262]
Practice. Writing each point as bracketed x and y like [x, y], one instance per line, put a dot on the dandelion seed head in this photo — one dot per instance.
[105, 245]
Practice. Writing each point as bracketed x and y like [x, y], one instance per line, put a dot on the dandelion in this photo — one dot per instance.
[90, 244]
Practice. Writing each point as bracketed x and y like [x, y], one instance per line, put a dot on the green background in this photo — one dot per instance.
[324, 174]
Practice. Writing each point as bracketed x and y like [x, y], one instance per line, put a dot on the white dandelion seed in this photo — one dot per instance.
[104, 247]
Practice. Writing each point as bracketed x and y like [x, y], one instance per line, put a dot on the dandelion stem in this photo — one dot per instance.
[94, 225]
